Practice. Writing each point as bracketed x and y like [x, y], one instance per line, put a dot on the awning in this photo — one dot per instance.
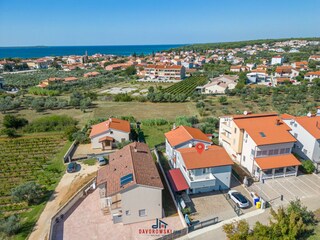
[106, 138]
[177, 180]
[279, 161]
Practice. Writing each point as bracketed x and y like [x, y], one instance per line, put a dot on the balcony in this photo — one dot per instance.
[203, 180]
[225, 138]
[225, 126]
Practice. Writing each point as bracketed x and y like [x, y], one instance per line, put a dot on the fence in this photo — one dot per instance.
[203, 224]
[68, 205]
[175, 234]
[67, 156]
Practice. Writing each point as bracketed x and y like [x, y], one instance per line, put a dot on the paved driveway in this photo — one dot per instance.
[302, 187]
[210, 205]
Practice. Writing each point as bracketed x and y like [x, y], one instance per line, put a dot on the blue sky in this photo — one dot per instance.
[130, 22]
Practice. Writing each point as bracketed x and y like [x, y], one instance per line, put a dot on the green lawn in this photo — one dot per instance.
[90, 162]
[155, 134]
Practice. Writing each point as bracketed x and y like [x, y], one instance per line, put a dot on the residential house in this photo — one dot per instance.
[104, 135]
[130, 186]
[312, 75]
[277, 60]
[283, 71]
[220, 84]
[314, 57]
[204, 171]
[236, 68]
[306, 129]
[261, 143]
[91, 74]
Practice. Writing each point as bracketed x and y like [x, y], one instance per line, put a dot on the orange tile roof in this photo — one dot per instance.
[70, 79]
[135, 159]
[278, 161]
[105, 138]
[214, 156]
[317, 73]
[287, 116]
[264, 130]
[183, 134]
[311, 124]
[112, 123]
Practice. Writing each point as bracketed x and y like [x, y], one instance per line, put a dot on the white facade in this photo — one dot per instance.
[307, 146]
[277, 60]
[117, 135]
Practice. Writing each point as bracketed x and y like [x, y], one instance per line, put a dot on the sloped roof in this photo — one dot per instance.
[279, 161]
[135, 159]
[183, 134]
[112, 123]
[310, 124]
[266, 130]
[177, 180]
[213, 156]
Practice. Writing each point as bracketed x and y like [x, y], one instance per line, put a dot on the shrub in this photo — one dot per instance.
[155, 122]
[31, 192]
[10, 225]
[308, 166]
[122, 97]
[10, 121]
[10, 132]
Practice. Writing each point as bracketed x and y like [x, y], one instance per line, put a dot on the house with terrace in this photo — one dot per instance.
[261, 143]
[197, 166]
[106, 134]
[130, 186]
[306, 129]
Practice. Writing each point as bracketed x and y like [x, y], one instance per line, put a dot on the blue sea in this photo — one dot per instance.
[37, 52]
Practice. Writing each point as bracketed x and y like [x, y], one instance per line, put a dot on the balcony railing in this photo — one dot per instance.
[203, 177]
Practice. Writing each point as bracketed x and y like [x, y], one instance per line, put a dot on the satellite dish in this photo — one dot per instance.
[245, 112]
[309, 114]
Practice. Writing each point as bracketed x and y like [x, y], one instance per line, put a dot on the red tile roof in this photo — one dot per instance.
[311, 124]
[184, 134]
[112, 123]
[177, 180]
[266, 129]
[105, 139]
[135, 159]
[278, 161]
[213, 156]
[317, 73]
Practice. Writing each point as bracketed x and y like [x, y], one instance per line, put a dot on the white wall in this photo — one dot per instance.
[138, 198]
[247, 159]
[116, 134]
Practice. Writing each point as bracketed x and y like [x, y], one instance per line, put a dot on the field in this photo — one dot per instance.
[29, 158]
[187, 86]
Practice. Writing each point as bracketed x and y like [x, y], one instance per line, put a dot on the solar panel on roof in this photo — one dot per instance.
[126, 179]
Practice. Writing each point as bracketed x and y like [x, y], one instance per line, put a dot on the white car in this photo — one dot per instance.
[238, 198]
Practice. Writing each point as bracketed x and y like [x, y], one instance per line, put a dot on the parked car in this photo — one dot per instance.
[72, 167]
[102, 161]
[238, 198]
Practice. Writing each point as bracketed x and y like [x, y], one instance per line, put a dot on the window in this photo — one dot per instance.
[287, 150]
[305, 151]
[235, 130]
[128, 213]
[244, 158]
[282, 150]
[252, 152]
[265, 152]
[142, 213]
[259, 153]
[205, 170]
[270, 152]
[295, 135]
[246, 135]
[276, 152]
[123, 139]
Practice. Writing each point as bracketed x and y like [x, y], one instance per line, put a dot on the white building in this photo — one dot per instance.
[104, 135]
[204, 171]
[259, 142]
[306, 130]
[277, 60]
[220, 84]
[312, 75]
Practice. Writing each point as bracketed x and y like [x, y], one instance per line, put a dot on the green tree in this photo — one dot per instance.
[10, 225]
[31, 192]
[11, 121]
[308, 166]
[223, 100]
[131, 70]
[237, 231]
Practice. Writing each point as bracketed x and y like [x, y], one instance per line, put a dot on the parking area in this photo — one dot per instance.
[215, 204]
[302, 187]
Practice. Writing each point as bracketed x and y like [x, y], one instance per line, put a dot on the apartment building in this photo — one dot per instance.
[261, 143]
[165, 72]
[196, 171]
[277, 60]
[306, 129]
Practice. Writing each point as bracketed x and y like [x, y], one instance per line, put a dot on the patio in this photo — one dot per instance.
[86, 221]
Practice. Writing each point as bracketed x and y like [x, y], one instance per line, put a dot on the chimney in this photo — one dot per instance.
[277, 122]
[318, 111]
[206, 147]
[309, 114]
[174, 126]
[110, 119]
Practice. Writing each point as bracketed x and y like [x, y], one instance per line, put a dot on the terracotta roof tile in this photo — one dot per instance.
[311, 124]
[213, 156]
[278, 161]
[135, 159]
[183, 134]
[112, 123]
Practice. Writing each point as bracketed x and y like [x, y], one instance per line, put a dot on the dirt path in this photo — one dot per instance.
[41, 228]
